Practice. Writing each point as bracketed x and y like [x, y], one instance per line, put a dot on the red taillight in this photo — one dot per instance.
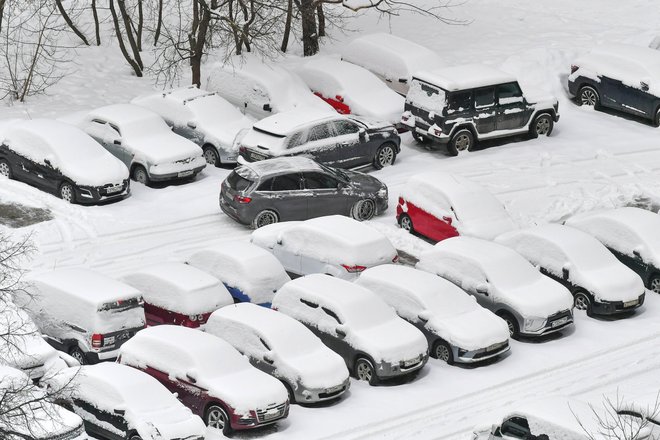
[97, 340]
[353, 269]
[274, 308]
[437, 131]
[401, 201]
[395, 259]
[339, 98]
[242, 199]
[242, 149]
[574, 68]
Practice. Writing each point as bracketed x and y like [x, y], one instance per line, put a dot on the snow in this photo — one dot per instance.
[450, 312]
[180, 288]
[214, 364]
[469, 76]
[589, 263]
[71, 151]
[474, 210]
[512, 279]
[249, 268]
[298, 354]
[286, 123]
[370, 324]
[422, 96]
[254, 170]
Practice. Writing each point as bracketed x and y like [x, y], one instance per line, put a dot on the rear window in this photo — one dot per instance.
[426, 96]
[237, 182]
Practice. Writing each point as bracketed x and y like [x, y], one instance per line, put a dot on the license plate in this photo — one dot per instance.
[257, 156]
[334, 389]
[109, 341]
[410, 362]
[185, 173]
[114, 189]
[493, 347]
[630, 303]
[271, 415]
[560, 321]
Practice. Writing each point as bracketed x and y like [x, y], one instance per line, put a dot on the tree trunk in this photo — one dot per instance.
[310, 37]
[136, 67]
[287, 26]
[140, 25]
[159, 24]
[70, 23]
[2, 12]
[198, 40]
[321, 14]
[97, 27]
[128, 27]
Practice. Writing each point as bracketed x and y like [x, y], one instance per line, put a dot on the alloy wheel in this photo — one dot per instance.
[406, 223]
[442, 352]
[511, 326]
[655, 285]
[66, 192]
[141, 176]
[581, 302]
[266, 218]
[543, 126]
[4, 170]
[216, 418]
[463, 142]
[365, 210]
[210, 156]
[364, 371]
[386, 156]
[588, 97]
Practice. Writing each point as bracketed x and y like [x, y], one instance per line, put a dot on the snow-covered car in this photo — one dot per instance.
[457, 329]
[144, 143]
[61, 159]
[261, 89]
[600, 284]
[250, 273]
[355, 323]
[179, 294]
[441, 205]
[202, 117]
[297, 188]
[83, 313]
[331, 139]
[209, 376]
[284, 348]
[29, 414]
[351, 89]
[392, 59]
[631, 234]
[333, 245]
[620, 77]
[504, 282]
[457, 107]
[120, 402]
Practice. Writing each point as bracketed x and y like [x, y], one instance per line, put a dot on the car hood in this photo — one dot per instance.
[473, 330]
[364, 182]
[222, 135]
[391, 342]
[247, 390]
[164, 148]
[318, 370]
[539, 299]
[95, 171]
[612, 283]
[176, 422]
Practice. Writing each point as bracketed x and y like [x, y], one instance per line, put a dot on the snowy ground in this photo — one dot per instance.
[593, 159]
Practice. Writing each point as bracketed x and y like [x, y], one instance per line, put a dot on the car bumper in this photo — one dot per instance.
[232, 212]
[86, 195]
[606, 308]
[381, 205]
[547, 329]
[474, 356]
[254, 420]
[93, 357]
[307, 395]
[386, 370]
[185, 174]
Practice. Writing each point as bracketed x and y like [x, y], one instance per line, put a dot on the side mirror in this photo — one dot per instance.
[403, 80]
[191, 377]
[192, 125]
[362, 133]
[117, 142]
[424, 316]
[120, 412]
[268, 358]
[644, 85]
[447, 219]
[565, 272]
[268, 108]
[341, 331]
[47, 162]
[483, 289]
[637, 254]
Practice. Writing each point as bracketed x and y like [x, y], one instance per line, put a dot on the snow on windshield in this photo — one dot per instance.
[426, 96]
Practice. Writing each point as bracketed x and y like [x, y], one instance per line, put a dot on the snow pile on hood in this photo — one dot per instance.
[299, 355]
[244, 266]
[333, 239]
[450, 312]
[68, 149]
[512, 279]
[589, 263]
[180, 288]
[369, 323]
[475, 211]
[210, 361]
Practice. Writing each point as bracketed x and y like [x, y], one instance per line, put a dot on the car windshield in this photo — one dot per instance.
[472, 206]
[302, 344]
[238, 182]
[144, 126]
[511, 271]
[336, 172]
[366, 313]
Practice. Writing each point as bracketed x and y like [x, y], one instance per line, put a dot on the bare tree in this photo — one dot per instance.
[134, 61]
[97, 25]
[70, 22]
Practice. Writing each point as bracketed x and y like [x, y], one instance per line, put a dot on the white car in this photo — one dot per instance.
[284, 348]
[631, 234]
[457, 329]
[600, 284]
[333, 245]
[504, 282]
[202, 117]
[27, 412]
[393, 59]
[176, 293]
[117, 401]
[261, 89]
[144, 142]
[351, 89]
[209, 375]
[250, 273]
[355, 323]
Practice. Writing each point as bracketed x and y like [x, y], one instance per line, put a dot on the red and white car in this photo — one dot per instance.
[442, 205]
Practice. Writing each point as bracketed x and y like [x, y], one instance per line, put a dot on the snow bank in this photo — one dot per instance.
[180, 288]
[244, 266]
[68, 149]
[468, 76]
[299, 355]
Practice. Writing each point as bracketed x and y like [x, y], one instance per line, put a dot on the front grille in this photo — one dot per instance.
[326, 395]
[184, 161]
[264, 416]
[490, 350]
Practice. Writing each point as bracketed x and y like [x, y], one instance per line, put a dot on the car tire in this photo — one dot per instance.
[289, 391]
[654, 283]
[443, 352]
[463, 140]
[511, 323]
[211, 155]
[364, 370]
[656, 120]
[67, 193]
[265, 217]
[5, 169]
[542, 125]
[589, 96]
[582, 301]
[406, 223]
[216, 417]
[140, 175]
[76, 353]
[135, 437]
[385, 156]
[363, 210]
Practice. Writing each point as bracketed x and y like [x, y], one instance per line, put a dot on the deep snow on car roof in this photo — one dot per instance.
[346, 232]
[278, 166]
[622, 55]
[493, 257]
[642, 222]
[468, 76]
[285, 123]
[125, 113]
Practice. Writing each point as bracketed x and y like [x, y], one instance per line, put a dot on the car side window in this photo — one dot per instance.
[331, 314]
[516, 427]
[319, 181]
[509, 93]
[309, 303]
[320, 132]
[484, 97]
[285, 182]
[345, 127]
[114, 128]
[460, 101]
[295, 140]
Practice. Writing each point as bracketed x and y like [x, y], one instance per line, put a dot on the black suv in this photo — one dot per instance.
[459, 106]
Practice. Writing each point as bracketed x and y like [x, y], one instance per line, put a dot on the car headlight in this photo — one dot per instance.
[382, 193]
[534, 324]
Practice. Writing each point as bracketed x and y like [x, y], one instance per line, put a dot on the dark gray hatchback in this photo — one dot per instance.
[297, 188]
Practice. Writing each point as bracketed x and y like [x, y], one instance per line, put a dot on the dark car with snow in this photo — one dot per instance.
[297, 188]
[331, 139]
[619, 77]
[463, 105]
[63, 160]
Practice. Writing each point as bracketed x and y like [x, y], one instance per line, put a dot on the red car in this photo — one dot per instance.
[441, 205]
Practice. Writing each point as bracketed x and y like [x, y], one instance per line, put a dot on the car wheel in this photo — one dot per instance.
[442, 351]
[542, 125]
[363, 210]
[385, 156]
[140, 175]
[78, 355]
[656, 123]
[216, 417]
[421, 139]
[67, 193]
[461, 141]
[5, 169]
[406, 223]
[589, 96]
[364, 370]
[265, 217]
[654, 284]
[511, 323]
[211, 155]
[136, 437]
[583, 302]
[289, 391]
